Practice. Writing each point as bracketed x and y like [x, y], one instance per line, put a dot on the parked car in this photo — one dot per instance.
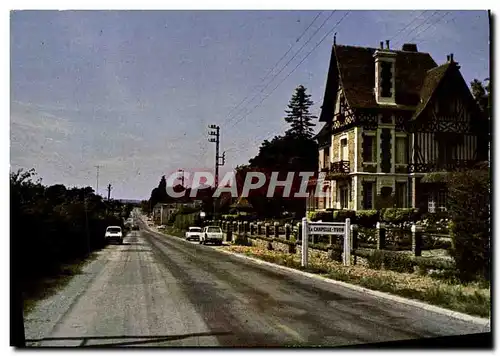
[194, 233]
[211, 234]
[114, 233]
[162, 227]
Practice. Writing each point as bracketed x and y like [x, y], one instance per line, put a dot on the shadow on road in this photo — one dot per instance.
[145, 339]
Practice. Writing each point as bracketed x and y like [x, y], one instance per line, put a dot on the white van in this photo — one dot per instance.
[114, 233]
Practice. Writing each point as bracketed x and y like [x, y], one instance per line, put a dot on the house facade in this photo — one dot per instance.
[390, 118]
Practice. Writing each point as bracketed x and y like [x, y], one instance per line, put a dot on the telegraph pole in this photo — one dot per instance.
[216, 134]
[216, 140]
[182, 177]
[109, 191]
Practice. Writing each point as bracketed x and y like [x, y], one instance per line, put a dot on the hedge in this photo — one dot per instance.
[469, 205]
[399, 215]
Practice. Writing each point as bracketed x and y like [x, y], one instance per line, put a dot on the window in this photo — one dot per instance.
[326, 158]
[441, 200]
[445, 151]
[386, 79]
[343, 150]
[368, 195]
[401, 150]
[344, 197]
[401, 195]
[437, 201]
[368, 148]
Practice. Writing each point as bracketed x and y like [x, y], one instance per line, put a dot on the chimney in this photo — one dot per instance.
[387, 43]
[451, 57]
[410, 47]
[447, 58]
[381, 44]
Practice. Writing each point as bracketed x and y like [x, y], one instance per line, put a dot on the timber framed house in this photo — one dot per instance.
[390, 118]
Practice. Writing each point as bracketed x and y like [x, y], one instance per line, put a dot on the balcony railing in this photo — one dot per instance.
[337, 169]
[451, 166]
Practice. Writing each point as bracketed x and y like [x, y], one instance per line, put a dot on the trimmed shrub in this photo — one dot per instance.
[399, 215]
[341, 215]
[325, 216]
[398, 262]
[367, 218]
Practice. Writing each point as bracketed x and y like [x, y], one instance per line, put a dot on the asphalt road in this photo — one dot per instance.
[163, 291]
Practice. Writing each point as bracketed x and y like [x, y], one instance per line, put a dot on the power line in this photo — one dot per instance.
[275, 65]
[432, 24]
[293, 70]
[416, 27]
[404, 28]
[447, 21]
[297, 40]
[283, 68]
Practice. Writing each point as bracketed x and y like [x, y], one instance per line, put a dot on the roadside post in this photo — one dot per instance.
[305, 238]
[347, 242]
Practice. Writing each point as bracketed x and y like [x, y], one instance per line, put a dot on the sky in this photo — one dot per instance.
[134, 91]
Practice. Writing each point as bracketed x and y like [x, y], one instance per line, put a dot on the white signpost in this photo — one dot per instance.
[326, 228]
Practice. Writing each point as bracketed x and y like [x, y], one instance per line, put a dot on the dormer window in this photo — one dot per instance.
[385, 69]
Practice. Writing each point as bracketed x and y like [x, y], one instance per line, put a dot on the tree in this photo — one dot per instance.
[299, 116]
[482, 94]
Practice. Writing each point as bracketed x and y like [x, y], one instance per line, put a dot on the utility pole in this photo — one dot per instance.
[109, 191]
[182, 177]
[97, 180]
[216, 134]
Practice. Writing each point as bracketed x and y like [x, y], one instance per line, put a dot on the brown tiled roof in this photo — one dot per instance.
[356, 67]
[431, 82]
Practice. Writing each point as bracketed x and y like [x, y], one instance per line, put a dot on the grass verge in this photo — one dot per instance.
[472, 298]
[43, 287]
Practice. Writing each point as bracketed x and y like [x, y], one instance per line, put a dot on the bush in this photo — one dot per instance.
[341, 215]
[367, 218]
[242, 240]
[375, 259]
[230, 217]
[469, 206]
[398, 216]
[335, 255]
[398, 262]
[325, 216]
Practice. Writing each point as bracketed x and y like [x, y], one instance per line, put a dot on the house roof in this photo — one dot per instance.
[355, 68]
[431, 82]
[323, 132]
[242, 203]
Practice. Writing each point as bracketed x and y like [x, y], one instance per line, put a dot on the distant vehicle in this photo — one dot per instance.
[114, 233]
[194, 233]
[211, 234]
[161, 227]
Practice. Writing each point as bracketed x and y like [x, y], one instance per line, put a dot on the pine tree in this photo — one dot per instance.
[299, 116]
